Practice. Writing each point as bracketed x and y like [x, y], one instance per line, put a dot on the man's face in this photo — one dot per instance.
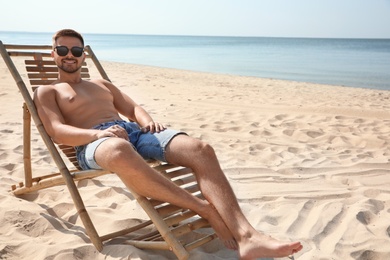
[68, 63]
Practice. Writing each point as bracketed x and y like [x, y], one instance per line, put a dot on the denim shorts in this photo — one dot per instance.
[148, 145]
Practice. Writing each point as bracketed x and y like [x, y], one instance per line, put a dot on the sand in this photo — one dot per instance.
[308, 162]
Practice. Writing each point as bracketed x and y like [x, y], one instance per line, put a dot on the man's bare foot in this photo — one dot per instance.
[260, 245]
[220, 228]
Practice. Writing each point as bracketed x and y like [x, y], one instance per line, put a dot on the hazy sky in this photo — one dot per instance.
[274, 18]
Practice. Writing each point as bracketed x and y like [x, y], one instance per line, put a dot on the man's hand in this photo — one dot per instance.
[114, 131]
[153, 127]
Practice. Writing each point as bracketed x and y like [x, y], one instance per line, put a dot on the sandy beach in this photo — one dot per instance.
[308, 162]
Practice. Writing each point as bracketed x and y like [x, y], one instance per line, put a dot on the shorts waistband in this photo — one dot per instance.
[108, 124]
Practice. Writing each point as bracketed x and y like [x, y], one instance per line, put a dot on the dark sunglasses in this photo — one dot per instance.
[63, 51]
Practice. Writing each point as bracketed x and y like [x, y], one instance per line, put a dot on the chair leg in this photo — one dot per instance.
[173, 243]
[84, 216]
[27, 146]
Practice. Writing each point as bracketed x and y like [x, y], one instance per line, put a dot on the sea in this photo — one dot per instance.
[363, 63]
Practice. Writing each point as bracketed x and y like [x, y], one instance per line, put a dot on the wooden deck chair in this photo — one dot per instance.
[170, 222]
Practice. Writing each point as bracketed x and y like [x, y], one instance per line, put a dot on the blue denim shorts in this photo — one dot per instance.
[148, 145]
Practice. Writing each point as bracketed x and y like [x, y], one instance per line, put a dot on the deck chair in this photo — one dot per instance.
[170, 222]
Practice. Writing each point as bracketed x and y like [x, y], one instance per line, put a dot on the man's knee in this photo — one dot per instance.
[202, 148]
[184, 150]
[113, 150]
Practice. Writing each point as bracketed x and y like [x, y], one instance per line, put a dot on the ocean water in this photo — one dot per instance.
[349, 62]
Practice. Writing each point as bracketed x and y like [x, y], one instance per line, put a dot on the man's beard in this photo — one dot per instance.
[69, 69]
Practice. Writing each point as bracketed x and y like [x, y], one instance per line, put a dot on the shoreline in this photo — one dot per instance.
[308, 162]
[249, 76]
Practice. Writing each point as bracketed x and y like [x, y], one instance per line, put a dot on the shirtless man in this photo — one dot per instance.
[85, 114]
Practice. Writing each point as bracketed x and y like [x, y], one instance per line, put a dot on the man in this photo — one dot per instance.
[85, 114]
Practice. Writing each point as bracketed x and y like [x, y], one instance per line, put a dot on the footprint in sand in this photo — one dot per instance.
[63, 208]
[256, 147]
[372, 193]
[314, 134]
[8, 166]
[364, 217]
[109, 192]
[235, 129]
[7, 131]
[376, 205]
[293, 150]
[260, 133]
[26, 222]
[18, 149]
[281, 117]
[288, 132]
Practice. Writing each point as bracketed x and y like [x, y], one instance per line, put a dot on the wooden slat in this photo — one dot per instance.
[26, 53]
[49, 69]
[191, 189]
[169, 209]
[176, 219]
[64, 146]
[165, 167]
[70, 150]
[41, 69]
[189, 227]
[40, 62]
[178, 172]
[185, 180]
[126, 230]
[85, 75]
[42, 177]
[149, 245]
[50, 182]
[199, 242]
[45, 62]
[27, 47]
[41, 82]
[73, 160]
[70, 153]
[53, 75]
[151, 236]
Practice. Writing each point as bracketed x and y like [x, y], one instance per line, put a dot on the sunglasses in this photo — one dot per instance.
[63, 51]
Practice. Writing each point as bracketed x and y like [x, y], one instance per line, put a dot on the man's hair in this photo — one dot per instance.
[68, 33]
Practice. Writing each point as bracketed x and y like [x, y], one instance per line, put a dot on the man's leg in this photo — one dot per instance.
[201, 158]
[117, 155]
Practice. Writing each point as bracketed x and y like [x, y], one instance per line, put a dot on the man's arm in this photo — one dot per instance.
[130, 109]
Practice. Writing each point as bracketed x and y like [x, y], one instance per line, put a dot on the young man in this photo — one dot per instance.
[85, 114]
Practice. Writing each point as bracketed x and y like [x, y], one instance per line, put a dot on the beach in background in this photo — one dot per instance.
[308, 162]
[363, 63]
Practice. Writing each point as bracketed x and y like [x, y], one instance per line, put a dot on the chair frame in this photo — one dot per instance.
[166, 218]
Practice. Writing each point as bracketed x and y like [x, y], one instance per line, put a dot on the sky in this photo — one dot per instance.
[267, 18]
